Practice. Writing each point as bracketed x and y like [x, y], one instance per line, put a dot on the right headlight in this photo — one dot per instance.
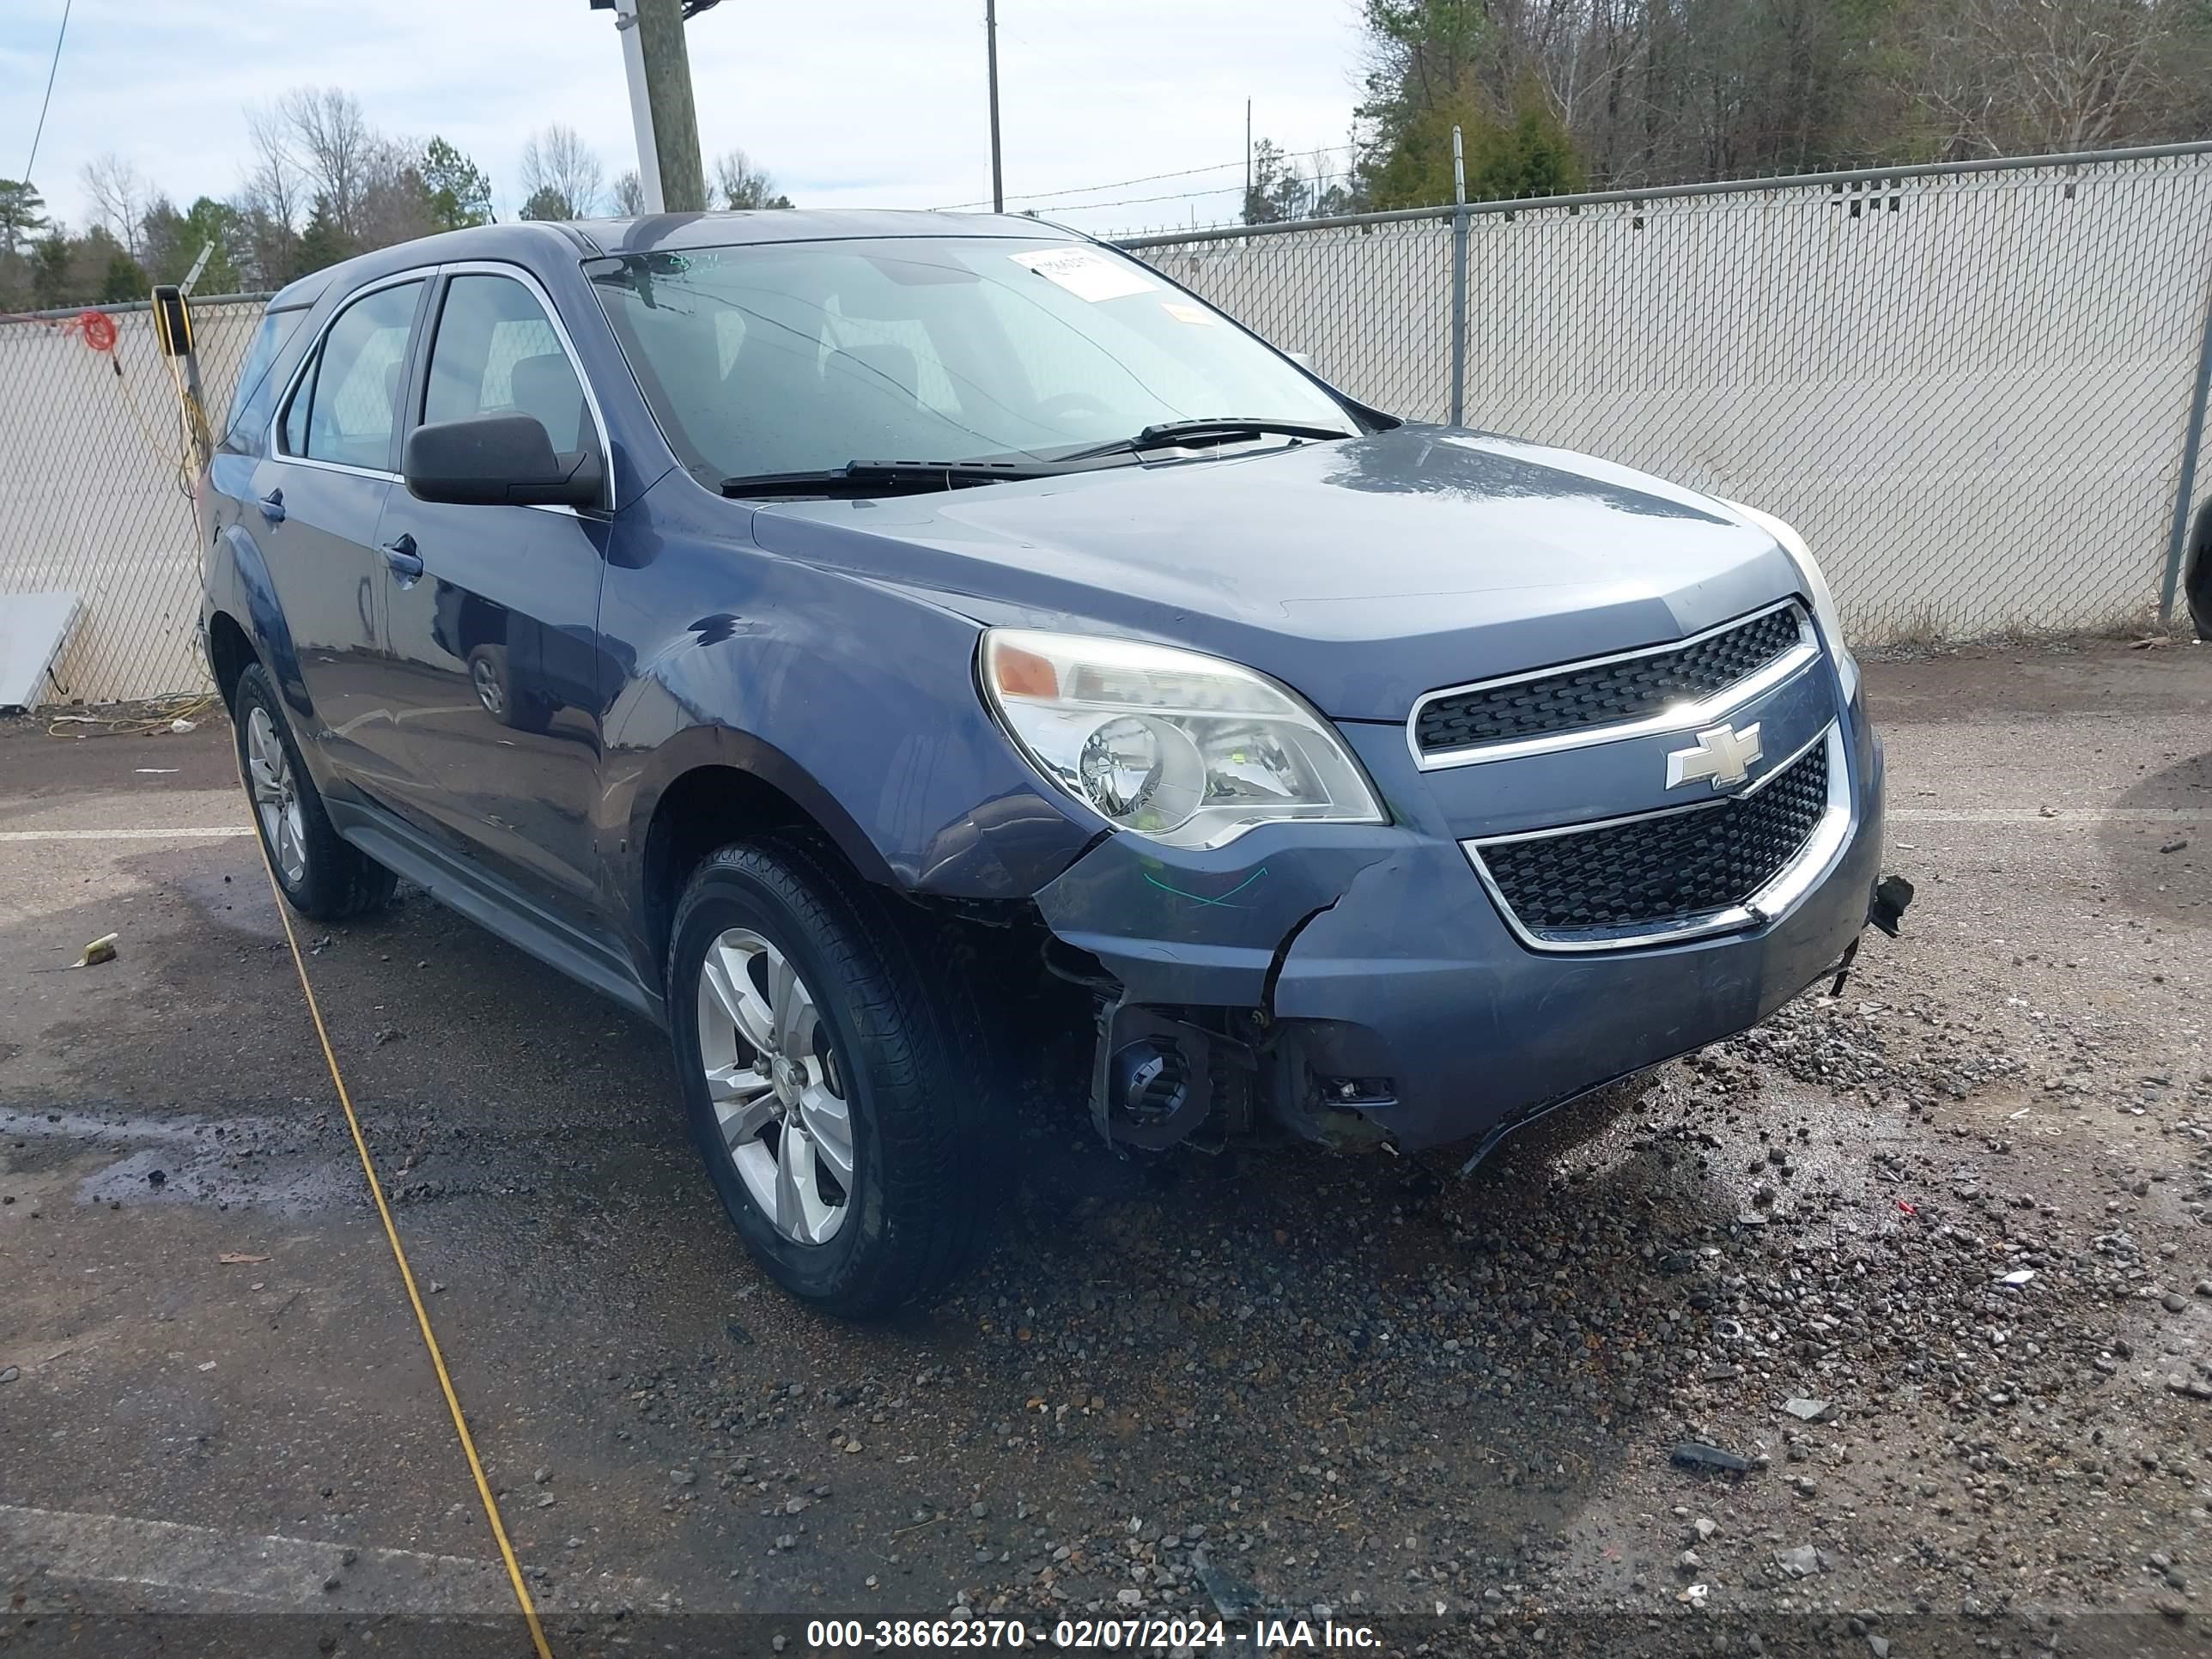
[1189, 749]
[1816, 589]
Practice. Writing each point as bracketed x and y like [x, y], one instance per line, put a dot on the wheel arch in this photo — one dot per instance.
[230, 654]
[726, 786]
[242, 594]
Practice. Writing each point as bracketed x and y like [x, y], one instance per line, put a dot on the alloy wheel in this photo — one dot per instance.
[485, 679]
[778, 1091]
[276, 797]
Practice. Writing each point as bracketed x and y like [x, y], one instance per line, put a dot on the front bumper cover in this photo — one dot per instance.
[1378, 955]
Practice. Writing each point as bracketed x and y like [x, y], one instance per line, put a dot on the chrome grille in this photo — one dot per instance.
[1661, 873]
[1609, 691]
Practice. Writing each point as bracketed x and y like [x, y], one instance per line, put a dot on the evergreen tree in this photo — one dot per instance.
[460, 194]
[321, 243]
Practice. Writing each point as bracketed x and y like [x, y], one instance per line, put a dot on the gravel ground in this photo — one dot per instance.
[1929, 1265]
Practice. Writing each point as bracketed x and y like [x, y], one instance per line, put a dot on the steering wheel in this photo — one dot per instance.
[1067, 402]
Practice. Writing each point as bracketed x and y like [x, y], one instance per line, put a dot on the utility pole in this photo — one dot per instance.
[1459, 279]
[991, 49]
[658, 68]
[1246, 213]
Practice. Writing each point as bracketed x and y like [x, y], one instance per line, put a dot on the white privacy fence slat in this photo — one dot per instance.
[92, 498]
[1970, 389]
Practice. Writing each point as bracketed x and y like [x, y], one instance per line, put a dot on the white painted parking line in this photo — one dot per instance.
[206, 1570]
[182, 832]
[2051, 815]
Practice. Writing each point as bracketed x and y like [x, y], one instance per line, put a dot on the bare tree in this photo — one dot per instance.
[396, 204]
[744, 185]
[1999, 77]
[120, 198]
[331, 141]
[561, 172]
[627, 194]
[271, 201]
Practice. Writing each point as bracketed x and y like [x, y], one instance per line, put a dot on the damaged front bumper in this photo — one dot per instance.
[1363, 980]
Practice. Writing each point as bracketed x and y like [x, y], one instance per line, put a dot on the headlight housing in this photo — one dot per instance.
[1816, 589]
[1187, 750]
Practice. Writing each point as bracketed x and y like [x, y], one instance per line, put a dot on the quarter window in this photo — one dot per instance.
[496, 353]
[347, 405]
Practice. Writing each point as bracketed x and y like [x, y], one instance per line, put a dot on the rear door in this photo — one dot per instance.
[496, 674]
[315, 501]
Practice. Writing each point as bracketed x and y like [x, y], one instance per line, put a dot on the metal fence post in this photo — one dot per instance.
[1459, 281]
[2178, 537]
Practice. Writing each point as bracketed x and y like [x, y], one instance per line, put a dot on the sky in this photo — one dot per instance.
[848, 103]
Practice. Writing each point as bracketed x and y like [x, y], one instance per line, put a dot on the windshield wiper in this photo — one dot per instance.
[1170, 435]
[866, 478]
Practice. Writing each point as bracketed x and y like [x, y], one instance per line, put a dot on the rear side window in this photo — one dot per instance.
[347, 407]
[255, 398]
[496, 353]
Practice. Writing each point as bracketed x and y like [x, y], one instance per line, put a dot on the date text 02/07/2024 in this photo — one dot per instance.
[1139, 1635]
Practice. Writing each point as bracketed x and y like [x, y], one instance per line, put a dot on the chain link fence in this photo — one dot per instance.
[95, 494]
[1970, 387]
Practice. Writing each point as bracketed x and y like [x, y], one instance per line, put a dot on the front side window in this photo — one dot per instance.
[496, 353]
[348, 403]
[797, 357]
[256, 395]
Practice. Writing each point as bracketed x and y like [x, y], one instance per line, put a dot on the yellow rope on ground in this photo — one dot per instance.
[167, 711]
[407, 1277]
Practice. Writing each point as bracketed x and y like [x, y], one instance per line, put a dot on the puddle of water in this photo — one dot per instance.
[232, 1162]
[230, 902]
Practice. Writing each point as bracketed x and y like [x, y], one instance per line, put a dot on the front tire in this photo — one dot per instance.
[823, 1081]
[321, 874]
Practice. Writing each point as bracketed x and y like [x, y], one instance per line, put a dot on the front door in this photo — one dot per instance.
[495, 674]
[318, 498]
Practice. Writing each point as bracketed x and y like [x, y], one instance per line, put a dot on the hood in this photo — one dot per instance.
[1362, 572]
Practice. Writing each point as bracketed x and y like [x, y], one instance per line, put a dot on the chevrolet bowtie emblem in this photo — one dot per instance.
[1723, 754]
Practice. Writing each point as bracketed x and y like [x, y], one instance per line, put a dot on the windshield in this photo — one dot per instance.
[791, 357]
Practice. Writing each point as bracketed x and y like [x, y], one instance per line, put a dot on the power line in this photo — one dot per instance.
[1054, 195]
[39, 131]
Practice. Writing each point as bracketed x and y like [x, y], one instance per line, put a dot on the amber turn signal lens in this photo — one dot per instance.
[1022, 674]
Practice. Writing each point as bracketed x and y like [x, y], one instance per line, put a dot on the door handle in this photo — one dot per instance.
[272, 507]
[400, 555]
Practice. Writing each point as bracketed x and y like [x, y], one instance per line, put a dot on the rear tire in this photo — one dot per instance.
[854, 1137]
[2197, 574]
[321, 874]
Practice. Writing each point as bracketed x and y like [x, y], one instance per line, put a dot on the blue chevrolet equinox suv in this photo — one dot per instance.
[838, 636]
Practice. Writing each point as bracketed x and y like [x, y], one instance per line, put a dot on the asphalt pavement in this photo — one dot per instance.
[1275, 1383]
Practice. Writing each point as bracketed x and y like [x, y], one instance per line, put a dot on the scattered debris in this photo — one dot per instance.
[2018, 1277]
[1802, 1562]
[1696, 1454]
[240, 1259]
[1808, 1410]
[180, 725]
[100, 950]
[1232, 1597]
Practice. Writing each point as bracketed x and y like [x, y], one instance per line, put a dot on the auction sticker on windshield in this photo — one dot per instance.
[1086, 274]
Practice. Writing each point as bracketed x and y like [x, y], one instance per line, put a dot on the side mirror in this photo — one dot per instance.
[498, 460]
